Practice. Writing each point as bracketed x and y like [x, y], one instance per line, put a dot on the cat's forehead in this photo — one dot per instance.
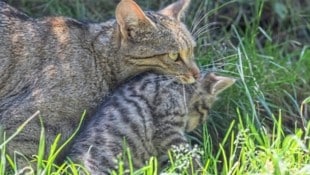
[177, 28]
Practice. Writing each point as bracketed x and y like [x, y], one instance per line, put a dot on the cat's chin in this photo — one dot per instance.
[187, 79]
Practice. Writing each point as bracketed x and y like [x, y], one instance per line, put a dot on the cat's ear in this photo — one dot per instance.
[130, 16]
[175, 10]
[217, 84]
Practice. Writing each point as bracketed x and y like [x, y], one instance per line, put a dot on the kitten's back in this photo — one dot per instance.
[149, 114]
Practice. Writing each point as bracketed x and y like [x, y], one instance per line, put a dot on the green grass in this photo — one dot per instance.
[247, 150]
[260, 125]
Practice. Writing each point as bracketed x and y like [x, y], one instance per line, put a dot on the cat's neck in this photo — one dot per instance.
[105, 45]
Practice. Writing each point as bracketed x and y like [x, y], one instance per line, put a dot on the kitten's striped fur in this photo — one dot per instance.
[61, 66]
[151, 112]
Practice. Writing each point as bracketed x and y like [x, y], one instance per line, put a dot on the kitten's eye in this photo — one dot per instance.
[174, 56]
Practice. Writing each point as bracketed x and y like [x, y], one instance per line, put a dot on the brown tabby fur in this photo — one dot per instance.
[151, 113]
[60, 66]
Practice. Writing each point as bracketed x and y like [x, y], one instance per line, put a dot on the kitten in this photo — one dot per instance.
[150, 113]
[61, 66]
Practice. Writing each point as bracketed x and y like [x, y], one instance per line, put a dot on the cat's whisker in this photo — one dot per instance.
[202, 8]
[99, 62]
[187, 104]
[195, 18]
[184, 99]
[195, 24]
[205, 26]
[204, 29]
[198, 35]
[210, 43]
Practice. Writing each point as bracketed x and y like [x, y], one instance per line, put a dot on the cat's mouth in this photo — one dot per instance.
[187, 79]
[190, 77]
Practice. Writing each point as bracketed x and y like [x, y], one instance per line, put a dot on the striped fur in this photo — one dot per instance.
[151, 113]
[61, 66]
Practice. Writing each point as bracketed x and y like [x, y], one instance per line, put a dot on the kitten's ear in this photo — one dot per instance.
[216, 84]
[175, 10]
[130, 16]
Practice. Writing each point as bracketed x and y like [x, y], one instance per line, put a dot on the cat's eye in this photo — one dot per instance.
[174, 56]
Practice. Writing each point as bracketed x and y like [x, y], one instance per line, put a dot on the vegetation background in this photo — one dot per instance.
[261, 125]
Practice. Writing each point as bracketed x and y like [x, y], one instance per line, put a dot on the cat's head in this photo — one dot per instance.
[157, 41]
[209, 87]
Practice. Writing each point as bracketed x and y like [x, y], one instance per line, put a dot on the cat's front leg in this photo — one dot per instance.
[174, 149]
[165, 139]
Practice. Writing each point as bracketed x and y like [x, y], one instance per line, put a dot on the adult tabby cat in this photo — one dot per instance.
[61, 66]
[150, 113]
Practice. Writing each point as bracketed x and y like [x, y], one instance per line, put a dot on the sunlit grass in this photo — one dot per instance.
[247, 150]
[258, 126]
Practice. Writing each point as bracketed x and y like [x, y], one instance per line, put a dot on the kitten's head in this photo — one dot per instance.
[157, 41]
[209, 87]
